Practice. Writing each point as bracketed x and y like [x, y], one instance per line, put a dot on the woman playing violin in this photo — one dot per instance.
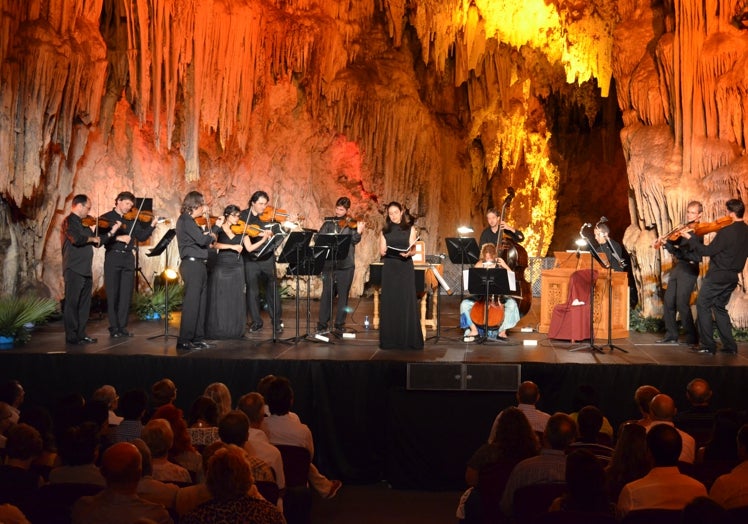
[119, 262]
[340, 275]
[681, 281]
[193, 243]
[227, 314]
[727, 254]
[511, 316]
[262, 268]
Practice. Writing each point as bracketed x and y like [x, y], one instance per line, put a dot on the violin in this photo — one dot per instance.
[348, 222]
[90, 221]
[203, 220]
[251, 230]
[272, 214]
[672, 235]
[143, 216]
[697, 228]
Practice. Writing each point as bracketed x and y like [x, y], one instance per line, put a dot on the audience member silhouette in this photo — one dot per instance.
[181, 452]
[159, 437]
[589, 422]
[643, 398]
[630, 461]
[528, 395]
[202, 422]
[78, 450]
[17, 479]
[731, 490]
[258, 445]
[132, 405]
[662, 411]
[585, 486]
[221, 396]
[697, 420]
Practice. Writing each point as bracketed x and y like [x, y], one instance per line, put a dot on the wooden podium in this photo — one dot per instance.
[555, 290]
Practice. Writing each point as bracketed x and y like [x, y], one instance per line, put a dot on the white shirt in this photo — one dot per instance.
[537, 419]
[259, 446]
[661, 488]
[731, 490]
[286, 430]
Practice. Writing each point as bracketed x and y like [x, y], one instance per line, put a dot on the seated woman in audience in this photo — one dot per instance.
[229, 480]
[630, 459]
[585, 486]
[39, 418]
[489, 467]
[203, 422]
[181, 451]
[157, 434]
[221, 395]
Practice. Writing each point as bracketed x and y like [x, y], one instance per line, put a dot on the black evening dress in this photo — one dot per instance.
[400, 325]
[227, 309]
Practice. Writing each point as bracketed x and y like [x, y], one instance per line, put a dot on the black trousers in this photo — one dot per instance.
[195, 277]
[254, 271]
[119, 278]
[713, 298]
[77, 304]
[678, 300]
[338, 281]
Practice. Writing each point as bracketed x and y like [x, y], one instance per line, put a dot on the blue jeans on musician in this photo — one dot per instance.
[511, 317]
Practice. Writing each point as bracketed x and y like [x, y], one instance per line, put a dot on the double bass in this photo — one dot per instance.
[515, 257]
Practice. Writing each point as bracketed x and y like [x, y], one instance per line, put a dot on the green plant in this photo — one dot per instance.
[17, 312]
[643, 324]
[152, 305]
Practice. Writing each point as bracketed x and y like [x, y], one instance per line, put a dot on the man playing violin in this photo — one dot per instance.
[77, 255]
[490, 235]
[681, 281]
[119, 263]
[261, 268]
[341, 277]
[194, 242]
[727, 254]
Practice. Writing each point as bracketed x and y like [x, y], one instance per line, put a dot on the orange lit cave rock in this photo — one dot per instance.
[624, 109]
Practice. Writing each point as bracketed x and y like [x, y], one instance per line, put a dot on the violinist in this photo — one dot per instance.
[194, 241]
[227, 313]
[727, 254]
[681, 281]
[119, 262]
[490, 235]
[338, 273]
[617, 256]
[77, 254]
[488, 259]
[256, 269]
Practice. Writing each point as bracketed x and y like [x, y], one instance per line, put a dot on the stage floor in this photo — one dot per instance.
[641, 348]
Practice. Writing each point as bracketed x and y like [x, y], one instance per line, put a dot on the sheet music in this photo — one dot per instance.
[511, 277]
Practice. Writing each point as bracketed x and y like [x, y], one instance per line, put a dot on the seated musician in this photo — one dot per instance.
[488, 259]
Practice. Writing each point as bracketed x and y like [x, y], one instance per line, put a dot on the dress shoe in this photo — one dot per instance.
[321, 327]
[201, 344]
[667, 340]
[279, 329]
[256, 326]
[115, 334]
[188, 346]
[87, 340]
[704, 350]
[124, 333]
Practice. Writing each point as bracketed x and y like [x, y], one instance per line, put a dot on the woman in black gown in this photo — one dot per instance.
[400, 325]
[227, 316]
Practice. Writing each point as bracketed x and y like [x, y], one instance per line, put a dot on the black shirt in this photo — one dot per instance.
[140, 232]
[77, 253]
[250, 219]
[727, 251]
[193, 241]
[490, 237]
[331, 227]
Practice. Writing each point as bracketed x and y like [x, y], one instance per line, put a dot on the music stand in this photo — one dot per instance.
[594, 257]
[156, 251]
[488, 281]
[142, 204]
[312, 263]
[297, 243]
[622, 264]
[335, 247]
[462, 251]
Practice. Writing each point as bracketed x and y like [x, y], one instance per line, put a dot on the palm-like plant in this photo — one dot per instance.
[146, 304]
[17, 312]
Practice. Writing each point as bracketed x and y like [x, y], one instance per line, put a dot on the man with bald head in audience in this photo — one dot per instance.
[119, 502]
[698, 419]
[528, 394]
[664, 487]
[662, 410]
[548, 466]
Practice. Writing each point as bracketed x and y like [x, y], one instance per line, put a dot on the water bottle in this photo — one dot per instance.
[366, 322]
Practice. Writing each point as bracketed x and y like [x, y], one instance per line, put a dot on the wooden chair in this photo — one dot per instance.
[297, 501]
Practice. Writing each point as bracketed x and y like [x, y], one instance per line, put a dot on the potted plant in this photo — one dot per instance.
[18, 314]
[151, 305]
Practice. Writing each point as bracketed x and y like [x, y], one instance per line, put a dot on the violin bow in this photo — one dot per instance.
[134, 222]
[507, 201]
[244, 232]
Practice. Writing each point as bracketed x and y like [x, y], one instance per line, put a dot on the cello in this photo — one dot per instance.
[515, 257]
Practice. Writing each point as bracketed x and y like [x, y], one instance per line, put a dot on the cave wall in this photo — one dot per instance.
[442, 105]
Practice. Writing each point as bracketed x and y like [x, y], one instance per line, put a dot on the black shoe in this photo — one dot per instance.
[279, 329]
[124, 333]
[730, 351]
[201, 344]
[87, 340]
[188, 346]
[704, 350]
[321, 327]
[256, 326]
[667, 340]
[114, 333]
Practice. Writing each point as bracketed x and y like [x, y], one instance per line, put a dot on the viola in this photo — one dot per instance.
[251, 230]
[143, 216]
[102, 223]
[272, 214]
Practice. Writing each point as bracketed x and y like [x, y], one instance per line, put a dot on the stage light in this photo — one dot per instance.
[170, 274]
[580, 242]
[464, 230]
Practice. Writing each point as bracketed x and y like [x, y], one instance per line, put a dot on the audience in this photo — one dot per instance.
[589, 421]
[258, 445]
[132, 405]
[722, 445]
[181, 451]
[697, 420]
[40, 419]
[643, 398]
[79, 447]
[202, 422]
[528, 394]
[157, 434]
[6, 421]
[585, 486]
[149, 488]
[119, 503]
[586, 395]
[229, 479]
[731, 489]
[221, 396]
[662, 411]
[17, 479]
[703, 510]
[234, 429]
[163, 392]
[631, 459]
[664, 487]
[12, 393]
[549, 466]
[108, 395]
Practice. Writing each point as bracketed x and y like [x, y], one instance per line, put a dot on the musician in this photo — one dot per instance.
[728, 252]
[119, 262]
[618, 258]
[263, 268]
[77, 255]
[681, 282]
[342, 277]
[488, 259]
[227, 313]
[194, 241]
[490, 235]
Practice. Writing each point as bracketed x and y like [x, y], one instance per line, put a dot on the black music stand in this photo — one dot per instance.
[441, 283]
[484, 282]
[297, 243]
[594, 256]
[462, 251]
[622, 264]
[159, 248]
[335, 247]
[311, 265]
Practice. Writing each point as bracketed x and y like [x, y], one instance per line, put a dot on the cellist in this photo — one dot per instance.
[490, 235]
[488, 259]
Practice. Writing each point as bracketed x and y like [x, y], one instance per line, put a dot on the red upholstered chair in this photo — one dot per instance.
[570, 322]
